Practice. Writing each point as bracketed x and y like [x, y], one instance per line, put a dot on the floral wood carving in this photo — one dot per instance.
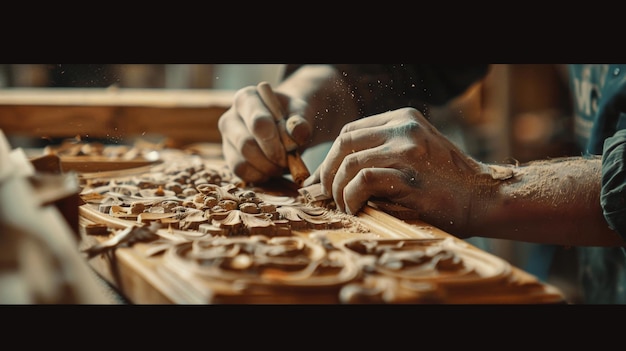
[208, 200]
[232, 243]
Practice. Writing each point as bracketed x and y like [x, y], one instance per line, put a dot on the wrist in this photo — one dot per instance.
[490, 192]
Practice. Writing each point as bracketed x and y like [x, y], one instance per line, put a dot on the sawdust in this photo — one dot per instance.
[350, 223]
[557, 181]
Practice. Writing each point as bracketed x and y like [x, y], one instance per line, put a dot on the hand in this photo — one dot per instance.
[250, 139]
[400, 156]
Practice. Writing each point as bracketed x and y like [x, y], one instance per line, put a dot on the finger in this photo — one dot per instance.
[261, 125]
[347, 144]
[242, 153]
[388, 183]
[249, 148]
[240, 167]
[354, 163]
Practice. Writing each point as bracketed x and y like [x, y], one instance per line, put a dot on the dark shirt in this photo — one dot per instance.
[382, 87]
[599, 95]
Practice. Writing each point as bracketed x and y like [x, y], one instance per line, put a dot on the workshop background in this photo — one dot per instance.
[518, 113]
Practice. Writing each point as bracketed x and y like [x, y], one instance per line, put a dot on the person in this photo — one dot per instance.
[385, 147]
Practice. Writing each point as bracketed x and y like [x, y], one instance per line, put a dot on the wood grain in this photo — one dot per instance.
[474, 277]
[182, 116]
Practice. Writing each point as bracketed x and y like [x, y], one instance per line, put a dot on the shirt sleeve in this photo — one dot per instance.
[382, 87]
[613, 193]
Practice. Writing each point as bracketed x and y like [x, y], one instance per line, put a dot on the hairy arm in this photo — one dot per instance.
[552, 201]
[399, 156]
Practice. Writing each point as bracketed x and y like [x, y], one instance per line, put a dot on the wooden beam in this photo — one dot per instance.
[182, 116]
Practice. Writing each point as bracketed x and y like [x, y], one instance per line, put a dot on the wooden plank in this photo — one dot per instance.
[478, 277]
[120, 115]
[148, 280]
[115, 97]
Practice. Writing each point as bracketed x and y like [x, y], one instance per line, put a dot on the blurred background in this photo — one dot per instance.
[520, 112]
[165, 76]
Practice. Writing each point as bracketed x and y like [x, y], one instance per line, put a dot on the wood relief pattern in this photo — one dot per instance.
[230, 242]
[203, 199]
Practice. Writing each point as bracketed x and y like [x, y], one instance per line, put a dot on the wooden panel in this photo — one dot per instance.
[151, 280]
[182, 116]
[466, 275]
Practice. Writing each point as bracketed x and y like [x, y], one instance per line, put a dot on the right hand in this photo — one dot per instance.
[398, 155]
[250, 139]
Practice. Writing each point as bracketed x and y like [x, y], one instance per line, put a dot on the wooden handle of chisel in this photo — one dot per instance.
[297, 168]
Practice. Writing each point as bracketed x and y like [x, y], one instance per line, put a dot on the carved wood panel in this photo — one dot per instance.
[199, 230]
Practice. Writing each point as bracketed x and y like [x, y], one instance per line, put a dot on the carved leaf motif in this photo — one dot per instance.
[194, 215]
[276, 200]
[223, 192]
[255, 220]
[309, 214]
[232, 218]
[192, 219]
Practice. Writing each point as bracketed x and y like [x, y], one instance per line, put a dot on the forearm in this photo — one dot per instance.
[555, 202]
[330, 104]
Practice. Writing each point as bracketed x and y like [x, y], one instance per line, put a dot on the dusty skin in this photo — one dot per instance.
[399, 156]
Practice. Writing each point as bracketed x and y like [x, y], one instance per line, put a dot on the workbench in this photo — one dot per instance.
[384, 254]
